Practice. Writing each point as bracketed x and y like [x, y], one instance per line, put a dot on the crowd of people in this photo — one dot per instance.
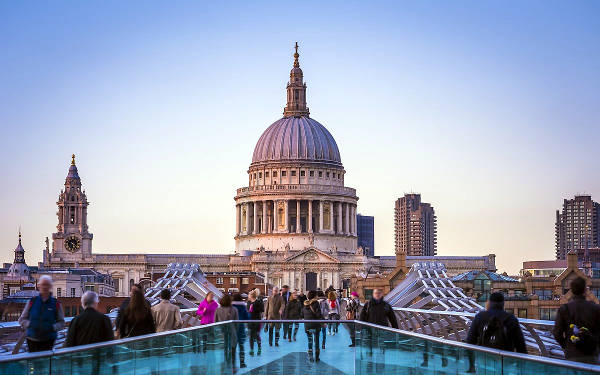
[576, 329]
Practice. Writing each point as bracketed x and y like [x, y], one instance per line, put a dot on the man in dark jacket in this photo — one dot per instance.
[311, 310]
[496, 328]
[377, 311]
[580, 342]
[90, 326]
[292, 311]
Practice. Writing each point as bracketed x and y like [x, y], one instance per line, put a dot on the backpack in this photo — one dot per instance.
[580, 336]
[493, 334]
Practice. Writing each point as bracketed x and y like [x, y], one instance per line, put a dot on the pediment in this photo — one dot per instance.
[312, 255]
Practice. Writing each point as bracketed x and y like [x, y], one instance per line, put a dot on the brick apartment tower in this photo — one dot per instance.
[577, 226]
[415, 226]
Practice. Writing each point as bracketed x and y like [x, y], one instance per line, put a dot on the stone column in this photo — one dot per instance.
[347, 227]
[255, 217]
[298, 228]
[353, 223]
[263, 228]
[339, 220]
[237, 219]
[248, 218]
[320, 216]
[275, 217]
[286, 215]
[310, 225]
[331, 209]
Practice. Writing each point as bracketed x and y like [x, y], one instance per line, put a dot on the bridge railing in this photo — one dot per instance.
[208, 350]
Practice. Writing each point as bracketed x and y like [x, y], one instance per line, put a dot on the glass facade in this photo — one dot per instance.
[365, 226]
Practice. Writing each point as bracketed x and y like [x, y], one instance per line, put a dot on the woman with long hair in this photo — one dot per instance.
[137, 318]
[255, 308]
[311, 310]
[333, 311]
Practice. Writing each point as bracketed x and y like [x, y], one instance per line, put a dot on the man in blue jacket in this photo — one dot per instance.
[42, 317]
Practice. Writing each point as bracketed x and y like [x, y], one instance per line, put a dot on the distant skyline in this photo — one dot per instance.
[490, 112]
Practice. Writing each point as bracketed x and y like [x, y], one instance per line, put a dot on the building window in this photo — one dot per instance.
[233, 290]
[283, 173]
[58, 292]
[311, 173]
[274, 173]
[543, 294]
[232, 280]
[267, 174]
[522, 313]
[547, 314]
[339, 176]
[259, 174]
[293, 173]
[327, 174]
[301, 173]
[482, 287]
[320, 173]
[219, 280]
[245, 281]
[89, 287]
[72, 292]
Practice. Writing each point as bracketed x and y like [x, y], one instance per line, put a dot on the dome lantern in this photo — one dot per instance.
[296, 91]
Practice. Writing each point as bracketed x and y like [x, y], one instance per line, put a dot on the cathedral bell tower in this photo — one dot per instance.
[72, 243]
[296, 91]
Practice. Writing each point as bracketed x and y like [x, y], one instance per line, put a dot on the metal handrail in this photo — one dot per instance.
[470, 314]
[502, 353]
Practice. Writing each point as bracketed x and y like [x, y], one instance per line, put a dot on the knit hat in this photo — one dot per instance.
[354, 294]
[496, 297]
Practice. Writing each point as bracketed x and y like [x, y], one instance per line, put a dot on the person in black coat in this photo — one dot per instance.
[90, 326]
[584, 316]
[292, 311]
[125, 303]
[137, 318]
[514, 336]
[377, 311]
[255, 308]
[312, 311]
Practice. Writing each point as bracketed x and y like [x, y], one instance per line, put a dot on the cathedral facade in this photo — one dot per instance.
[295, 221]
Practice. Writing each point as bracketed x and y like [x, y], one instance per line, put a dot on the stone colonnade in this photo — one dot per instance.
[295, 216]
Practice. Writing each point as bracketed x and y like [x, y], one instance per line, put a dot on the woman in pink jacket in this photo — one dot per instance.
[207, 308]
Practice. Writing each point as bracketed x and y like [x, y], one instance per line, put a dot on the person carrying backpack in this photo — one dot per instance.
[495, 328]
[577, 326]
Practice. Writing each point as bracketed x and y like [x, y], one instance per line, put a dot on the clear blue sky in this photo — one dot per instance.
[489, 109]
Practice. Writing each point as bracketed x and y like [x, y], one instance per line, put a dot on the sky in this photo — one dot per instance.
[490, 110]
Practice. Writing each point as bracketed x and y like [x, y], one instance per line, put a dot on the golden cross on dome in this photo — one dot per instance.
[296, 47]
[73, 159]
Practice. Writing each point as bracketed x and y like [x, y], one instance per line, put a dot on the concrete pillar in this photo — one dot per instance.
[275, 217]
[310, 225]
[339, 220]
[353, 222]
[347, 226]
[263, 228]
[298, 228]
[286, 215]
[237, 219]
[320, 216]
[331, 208]
[248, 218]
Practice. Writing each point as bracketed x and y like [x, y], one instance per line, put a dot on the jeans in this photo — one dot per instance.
[254, 329]
[287, 330]
[333, 326]
[323, 335]
[313, 337]
[274, 327]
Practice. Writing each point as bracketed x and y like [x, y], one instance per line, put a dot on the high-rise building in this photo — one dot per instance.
[415, 226]
[365, 226]
[577, 226]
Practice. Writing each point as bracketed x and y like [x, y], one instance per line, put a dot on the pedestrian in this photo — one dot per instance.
[224, 313]
[376, 311]
[333, 311]
[301, 296]
[311, 310]
[240, 306]
[166, 315]
[255, 308]
[125, 303]
[42, 317]
[496, 328]
[324, 312]
[577, 326]
[137, 318]
[207, 308]
[91, 326]
[352, 309]
[273, 311]
[292, 311]
[285, 293]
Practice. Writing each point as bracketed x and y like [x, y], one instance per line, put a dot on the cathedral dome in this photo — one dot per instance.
[296, 139]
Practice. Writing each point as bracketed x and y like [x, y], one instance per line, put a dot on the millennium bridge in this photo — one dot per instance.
[433, 316]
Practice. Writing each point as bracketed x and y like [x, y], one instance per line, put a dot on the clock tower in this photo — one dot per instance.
[72, 243]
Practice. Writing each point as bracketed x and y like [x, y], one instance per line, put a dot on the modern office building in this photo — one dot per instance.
[365, 226]
[415, 226]
[577, 226]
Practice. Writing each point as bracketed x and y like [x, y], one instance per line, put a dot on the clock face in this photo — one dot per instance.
[72, 244]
